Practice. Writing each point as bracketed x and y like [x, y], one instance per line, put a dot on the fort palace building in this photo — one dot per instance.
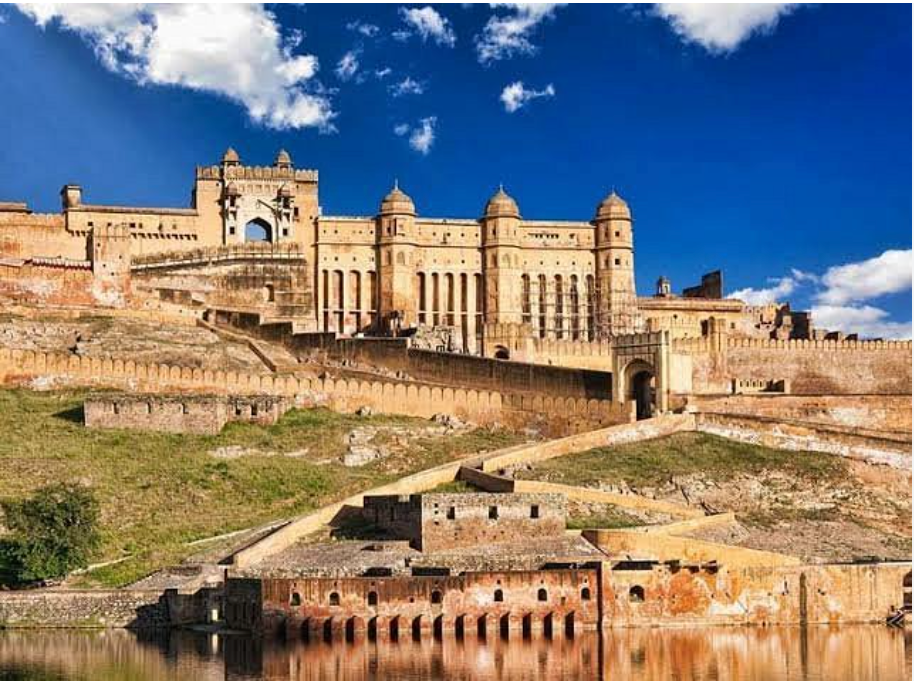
[486, 281]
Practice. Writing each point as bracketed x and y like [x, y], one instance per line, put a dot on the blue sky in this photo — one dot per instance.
[772, 142]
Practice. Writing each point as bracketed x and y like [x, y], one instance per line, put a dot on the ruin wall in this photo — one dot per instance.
[59, 608]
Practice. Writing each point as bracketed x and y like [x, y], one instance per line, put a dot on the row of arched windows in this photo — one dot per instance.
[436, 597]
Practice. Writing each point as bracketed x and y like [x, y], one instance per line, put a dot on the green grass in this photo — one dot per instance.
[654, 462]
[160, 491]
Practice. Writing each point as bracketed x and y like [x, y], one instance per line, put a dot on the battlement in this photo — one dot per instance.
[255, 173]
[286, 251]
[818, 345]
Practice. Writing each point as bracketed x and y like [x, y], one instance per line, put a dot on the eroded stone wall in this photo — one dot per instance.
[84, 608]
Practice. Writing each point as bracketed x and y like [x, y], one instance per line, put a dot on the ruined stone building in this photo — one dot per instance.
[490, 279]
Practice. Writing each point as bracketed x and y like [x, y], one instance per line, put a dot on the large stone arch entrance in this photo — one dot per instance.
[258, 230]
[641, 388]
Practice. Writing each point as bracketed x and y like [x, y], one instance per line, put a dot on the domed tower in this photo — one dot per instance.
[500, 227]
[282, 160]
[614, 255]
[231, 158]
[396, 238]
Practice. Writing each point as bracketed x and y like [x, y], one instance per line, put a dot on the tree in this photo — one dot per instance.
[51, 533]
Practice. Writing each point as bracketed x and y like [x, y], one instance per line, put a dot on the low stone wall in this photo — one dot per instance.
[138, 609]
[894, 451]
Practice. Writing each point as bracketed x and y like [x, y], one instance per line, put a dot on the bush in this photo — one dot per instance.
[51, 533]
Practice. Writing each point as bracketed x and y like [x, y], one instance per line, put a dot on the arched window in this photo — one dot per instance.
[636, 593]
[334, 599]
[542, 595]
[436, 597]
[295, 599]
[258, 230]
[372, 598]
[499, 595]
[585, 594]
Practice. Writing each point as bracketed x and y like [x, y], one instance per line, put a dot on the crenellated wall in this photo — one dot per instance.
[557, 414]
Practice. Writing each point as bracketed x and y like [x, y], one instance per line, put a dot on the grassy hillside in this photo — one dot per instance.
[817, 505]
[161, 491]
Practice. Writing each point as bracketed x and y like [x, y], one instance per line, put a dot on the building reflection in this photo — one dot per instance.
[739, 653]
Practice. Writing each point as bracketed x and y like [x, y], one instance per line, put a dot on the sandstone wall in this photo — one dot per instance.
[449, 369]
[727, 595]
[810, 367]
[555, 414]
[551, 599]
[83, 608]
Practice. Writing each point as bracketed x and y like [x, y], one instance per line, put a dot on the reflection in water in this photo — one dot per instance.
[816, 653]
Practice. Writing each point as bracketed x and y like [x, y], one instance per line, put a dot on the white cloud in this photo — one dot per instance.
[515, 95]
[383, 73]
[236, 51]
[888, 273]
[407, 87]
[367, 30]
[867, 321]
[348, 65]
[781, 287]
[508, 34]
[721, 27]
[421, 136]
[840, 296]
[428, 24]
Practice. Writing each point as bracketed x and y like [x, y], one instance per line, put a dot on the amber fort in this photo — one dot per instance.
[497, 320]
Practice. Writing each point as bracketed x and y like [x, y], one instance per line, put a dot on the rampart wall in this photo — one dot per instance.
[401, 397]
[444, 368]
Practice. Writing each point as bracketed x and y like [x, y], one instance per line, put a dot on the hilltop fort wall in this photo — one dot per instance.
[555, 414]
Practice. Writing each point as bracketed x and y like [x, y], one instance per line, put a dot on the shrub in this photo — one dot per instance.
[51, 533]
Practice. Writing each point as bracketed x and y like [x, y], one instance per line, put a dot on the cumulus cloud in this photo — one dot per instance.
[780, 287]
[888, 273]
[237, 51]
[841, 297]
[407, 87]
[367, 30]
[721, 28]
[866, 320]
[428, 24]
[421, 136]
[383, 72]
[348, 65]
[508, 33]
[515, 95]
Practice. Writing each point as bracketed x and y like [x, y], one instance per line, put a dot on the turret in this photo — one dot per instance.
[396, 236]
[71, 196]
[282, 160]
[617, 303]
[230, 158]
[500, 227]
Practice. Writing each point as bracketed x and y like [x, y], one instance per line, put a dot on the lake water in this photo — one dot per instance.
[741, 653]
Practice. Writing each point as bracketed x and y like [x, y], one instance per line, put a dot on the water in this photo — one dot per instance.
[816, 653]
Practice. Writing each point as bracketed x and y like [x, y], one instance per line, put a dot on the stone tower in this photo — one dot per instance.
[500, 225]
[396, 238]
[614, 255]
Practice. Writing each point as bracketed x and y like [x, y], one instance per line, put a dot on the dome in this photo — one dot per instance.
[283, 160]
[397, 201]
[613, 206]
[231, 190]
[230, 156]
[501, 204]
